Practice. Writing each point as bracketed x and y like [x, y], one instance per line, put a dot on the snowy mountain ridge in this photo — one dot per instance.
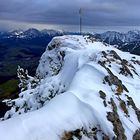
[128, 42]
[31, 33]
[87, 90]
[113, 36]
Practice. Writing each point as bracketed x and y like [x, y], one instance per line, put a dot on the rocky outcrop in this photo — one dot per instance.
[117, 124]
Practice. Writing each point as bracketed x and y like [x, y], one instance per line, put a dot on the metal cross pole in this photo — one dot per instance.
[80, 13]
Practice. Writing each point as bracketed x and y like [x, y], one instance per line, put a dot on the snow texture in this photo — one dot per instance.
[68, 95]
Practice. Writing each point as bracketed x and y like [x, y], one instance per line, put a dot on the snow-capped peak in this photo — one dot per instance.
[133, 32]
[113, 37]
[16, 32]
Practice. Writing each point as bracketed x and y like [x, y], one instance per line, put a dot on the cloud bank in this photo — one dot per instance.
[64, 12]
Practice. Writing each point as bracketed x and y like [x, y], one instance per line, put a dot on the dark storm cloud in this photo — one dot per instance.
[95, 12]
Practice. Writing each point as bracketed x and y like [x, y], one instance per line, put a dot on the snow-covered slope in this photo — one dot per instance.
[88, 90]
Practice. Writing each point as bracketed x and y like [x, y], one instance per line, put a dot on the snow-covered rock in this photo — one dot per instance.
[88, 90]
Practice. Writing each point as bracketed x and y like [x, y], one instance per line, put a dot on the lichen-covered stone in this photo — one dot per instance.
[131, 102]
[123, 107]
[117, 124]
[114, 80]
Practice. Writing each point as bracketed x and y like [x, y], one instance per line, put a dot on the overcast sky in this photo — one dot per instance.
[54, 13]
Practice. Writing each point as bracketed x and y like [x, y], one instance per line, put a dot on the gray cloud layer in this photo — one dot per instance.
[95, 12]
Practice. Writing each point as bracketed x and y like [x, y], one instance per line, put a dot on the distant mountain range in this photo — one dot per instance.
[129, 41]
[110, 37]
[31, 34]
[23, 48]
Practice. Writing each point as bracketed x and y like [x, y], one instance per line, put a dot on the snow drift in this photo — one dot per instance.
[88, 90]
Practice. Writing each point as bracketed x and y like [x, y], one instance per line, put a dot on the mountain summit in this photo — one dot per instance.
[86, 90]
